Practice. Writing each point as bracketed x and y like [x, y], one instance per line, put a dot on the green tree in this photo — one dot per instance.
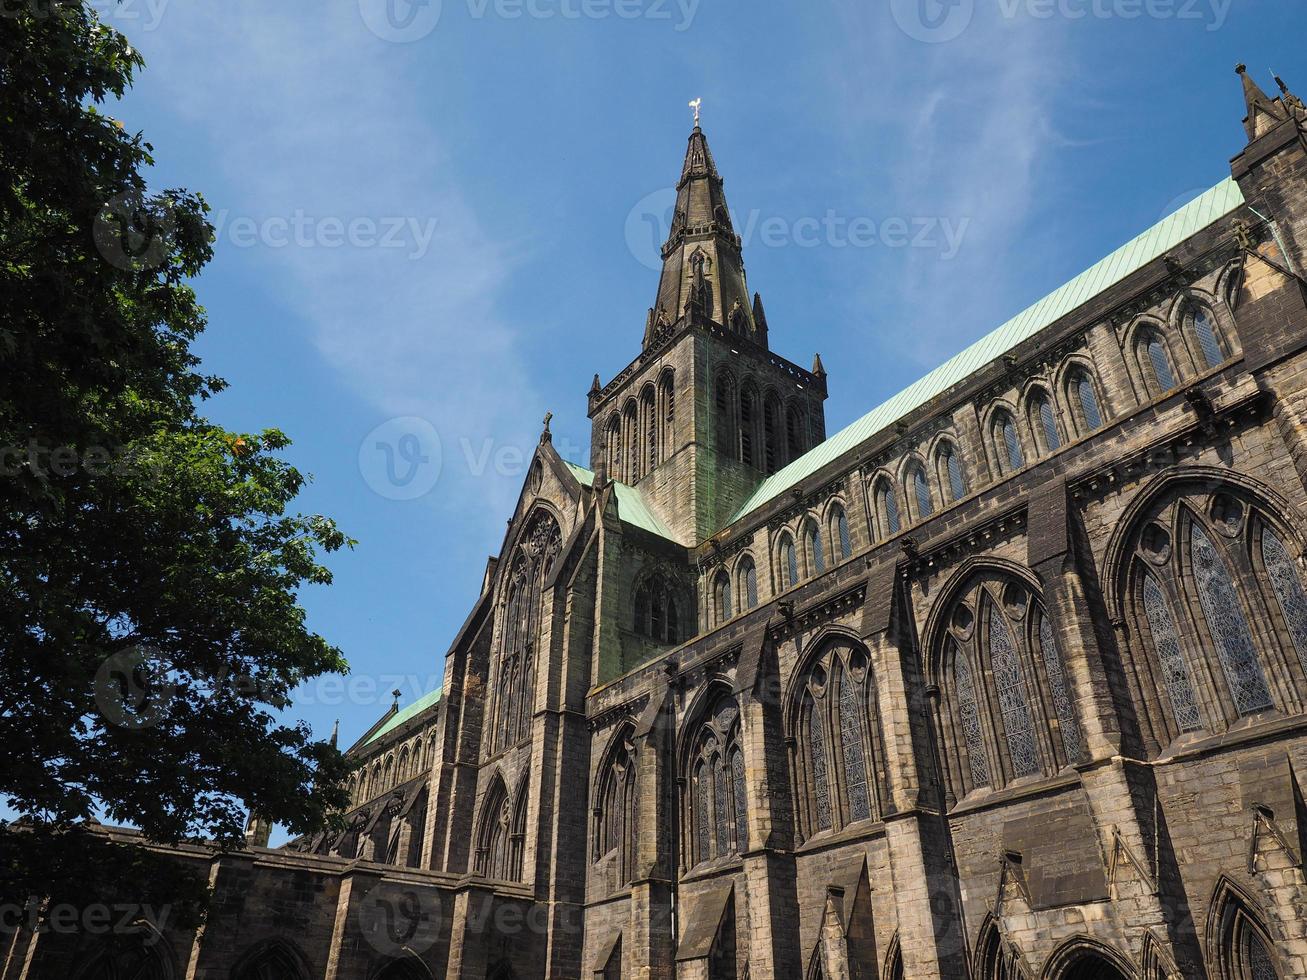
[150, 630]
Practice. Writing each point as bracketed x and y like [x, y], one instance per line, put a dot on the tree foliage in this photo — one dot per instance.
[150, 630]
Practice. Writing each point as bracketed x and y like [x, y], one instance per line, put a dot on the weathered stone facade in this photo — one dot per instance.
[1008, 679]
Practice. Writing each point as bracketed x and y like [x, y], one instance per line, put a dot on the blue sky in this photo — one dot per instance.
[907, 174]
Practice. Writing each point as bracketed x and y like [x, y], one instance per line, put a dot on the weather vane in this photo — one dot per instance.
[695, 106]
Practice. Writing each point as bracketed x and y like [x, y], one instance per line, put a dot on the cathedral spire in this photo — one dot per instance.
[703, 270]
[1264, 113]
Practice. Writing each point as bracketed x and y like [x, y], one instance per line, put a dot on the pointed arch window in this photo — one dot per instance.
[921, 491]
[816, 719]
[615, 816]
[1013, 699]
[1156, 362]
[1215, 584]
[656, 613]
[722, 608]
[533, 562]
[1059, 688]
[852, 736]
[631, 441]
[837, 740]
[969, 712]
[816, 553]
[839, 521]
[649, 412]
[667, 391]
[1009, 443]
[499, 836]
[1044, 420]
[950, 473]
[1175, 671]
[1244, 950]
[794, 430]
[725, 413]
[748, 420]
[789, 562]
[1229, 628]
[741, 800]
[714, 786]
[1287, 585]
[887, 508]
[1084, 400]
[1208, 341]
[614, 447]
[748, 576]
[771, 422]
[1001, 707]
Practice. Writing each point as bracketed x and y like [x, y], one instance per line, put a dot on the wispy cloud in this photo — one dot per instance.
[966, 125]
[318, 121]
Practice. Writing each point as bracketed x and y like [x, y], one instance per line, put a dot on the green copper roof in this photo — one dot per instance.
[404, 714]
[631, 506]
[1134, 255]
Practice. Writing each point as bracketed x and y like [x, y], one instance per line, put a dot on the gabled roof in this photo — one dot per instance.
[1131, 257]
[631, 506]
[404, 714]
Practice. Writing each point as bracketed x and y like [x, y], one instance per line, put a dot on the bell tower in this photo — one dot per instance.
[706, 411]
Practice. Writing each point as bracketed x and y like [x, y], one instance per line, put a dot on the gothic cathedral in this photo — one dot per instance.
[1007, 679]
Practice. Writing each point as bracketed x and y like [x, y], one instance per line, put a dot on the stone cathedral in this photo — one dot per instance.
[1007, 679]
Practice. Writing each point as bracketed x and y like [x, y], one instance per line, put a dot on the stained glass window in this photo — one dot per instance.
[1229, 628]
[741, 802]
[953, 469]
[855, 764]
[817, 762]
[1259, 959]
[921, 488]
[1288, 589]
[1166, 642]
[1013, 702]
[970, 717]
[701, 812]
[1057, 683]
[721, 801]
[1084, 389]
[1161, 365]
[890, 506]
[1207, 340]
[1047, 423]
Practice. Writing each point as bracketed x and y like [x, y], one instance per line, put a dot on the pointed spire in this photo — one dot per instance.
[703, 271]
[818, 368]
[595, 386]
[335, 733]
[698, 159]
[1264, 113]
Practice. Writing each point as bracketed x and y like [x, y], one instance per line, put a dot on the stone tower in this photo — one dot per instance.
[706, 411]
